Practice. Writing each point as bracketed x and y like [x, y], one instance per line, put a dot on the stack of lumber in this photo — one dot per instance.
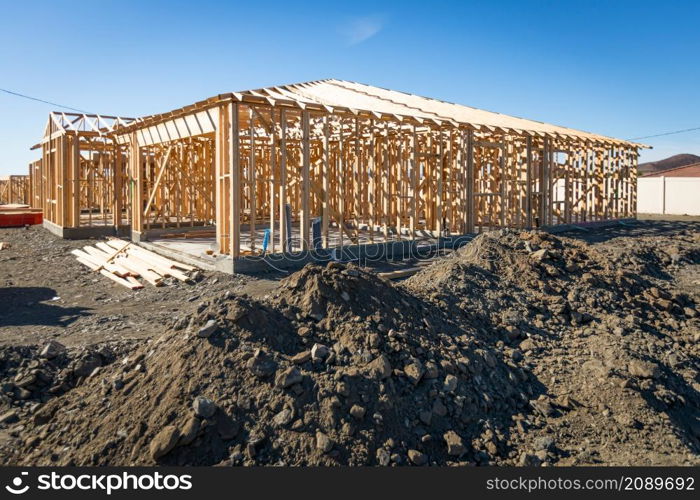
[124, 262]
[17, 215]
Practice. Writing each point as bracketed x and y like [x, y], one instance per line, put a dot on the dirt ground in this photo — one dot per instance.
[46, 294]
[522, 348]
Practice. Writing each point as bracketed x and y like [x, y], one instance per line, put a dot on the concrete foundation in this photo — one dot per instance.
[86, 232]
[583, 226]
[191, 252]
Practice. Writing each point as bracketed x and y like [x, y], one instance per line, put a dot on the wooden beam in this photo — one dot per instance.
[161, 169]
[235, 173]
[283, 182]
[305, 216]
[325, 176]
[471, 208]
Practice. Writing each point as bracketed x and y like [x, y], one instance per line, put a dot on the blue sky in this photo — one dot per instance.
[621, 68]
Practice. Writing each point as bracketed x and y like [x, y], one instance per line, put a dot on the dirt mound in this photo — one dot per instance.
[652, 257]
[508, 278]
[30, 376]
[521, 348]
[600, 329]
[339, 367]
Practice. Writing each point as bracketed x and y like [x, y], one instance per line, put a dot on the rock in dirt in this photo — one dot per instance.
[189, 431]
[208, 329]
[261, 365]
[164, 442]
[358, 412]
[52, 349]
[455, 446]
[379, 368]
[288, 377]
[643, 369]
[9, 417]
[417, 458]
[203, 407]
[323, 442]
[319, 352]
[301, 358]
[414, 370]
[284, 417]
[87, 363]
[450, 383]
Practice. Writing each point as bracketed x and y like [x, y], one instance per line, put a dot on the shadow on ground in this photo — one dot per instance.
[28, 306]
[636, 228]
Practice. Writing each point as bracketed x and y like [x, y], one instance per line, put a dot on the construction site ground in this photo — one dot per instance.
[522, 348]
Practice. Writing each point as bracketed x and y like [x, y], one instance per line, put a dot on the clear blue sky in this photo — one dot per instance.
[621, 68]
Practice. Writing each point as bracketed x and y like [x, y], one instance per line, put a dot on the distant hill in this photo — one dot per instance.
[670, 162]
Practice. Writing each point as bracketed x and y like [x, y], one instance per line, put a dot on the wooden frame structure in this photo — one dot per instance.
[36, 187]
[80, 180]
[374, 165]
[15, 189]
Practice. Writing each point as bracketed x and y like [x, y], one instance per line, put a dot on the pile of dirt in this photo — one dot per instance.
[339, 367]
[503, 279]
[654, 257]
[30, 376]
[521, 348]
[601, 330]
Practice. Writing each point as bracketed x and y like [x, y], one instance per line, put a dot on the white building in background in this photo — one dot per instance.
[671, 192]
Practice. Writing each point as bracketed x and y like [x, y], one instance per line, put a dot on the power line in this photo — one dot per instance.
[665, 133]
[45, 102]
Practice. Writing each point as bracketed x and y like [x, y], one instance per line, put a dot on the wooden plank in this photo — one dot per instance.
[471, 208]
[283, 182]
[159, 177]
[136, 185]
[155, 266]
[252, 183]
[132, 265]
[305, 215]
[121, 281]
[151, 256]
[118, 185]
[529, 180]
[91, 265]
[440, 188]
[75, 182]
[98, 258]
[325, 180]
[272, 182]
[234, 169]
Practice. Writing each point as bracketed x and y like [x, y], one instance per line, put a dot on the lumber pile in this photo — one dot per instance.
[123, 262]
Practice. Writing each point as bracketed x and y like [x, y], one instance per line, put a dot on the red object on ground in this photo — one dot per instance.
[20, 218]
